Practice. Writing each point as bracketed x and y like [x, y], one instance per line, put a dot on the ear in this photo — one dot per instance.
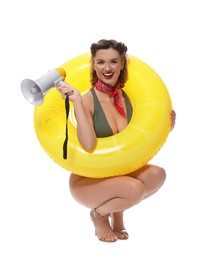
[93, 65]
[122, 64]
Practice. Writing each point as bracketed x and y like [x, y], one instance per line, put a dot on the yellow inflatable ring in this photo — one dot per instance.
[116, 155]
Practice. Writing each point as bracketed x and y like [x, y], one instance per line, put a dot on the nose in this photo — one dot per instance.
[108, 67]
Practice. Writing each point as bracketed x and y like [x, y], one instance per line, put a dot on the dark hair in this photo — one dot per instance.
[107, 44]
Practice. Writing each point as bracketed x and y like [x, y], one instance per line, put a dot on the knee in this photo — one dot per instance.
[135, 191]
[158, 174]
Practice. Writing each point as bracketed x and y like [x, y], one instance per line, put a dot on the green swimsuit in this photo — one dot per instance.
[101, 125]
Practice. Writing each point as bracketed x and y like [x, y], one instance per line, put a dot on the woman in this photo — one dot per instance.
[103, 111]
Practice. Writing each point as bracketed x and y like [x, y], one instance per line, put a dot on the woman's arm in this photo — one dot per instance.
[85, 130]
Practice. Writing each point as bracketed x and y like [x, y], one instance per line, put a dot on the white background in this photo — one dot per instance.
[38, 217]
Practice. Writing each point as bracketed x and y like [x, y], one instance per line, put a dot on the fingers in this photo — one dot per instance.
[64, 95]
[64, 89]
[173, 118]
[62, 85]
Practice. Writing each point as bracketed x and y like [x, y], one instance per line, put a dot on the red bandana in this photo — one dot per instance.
[101, 86]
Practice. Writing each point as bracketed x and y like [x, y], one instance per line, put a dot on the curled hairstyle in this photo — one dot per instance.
[120, 47]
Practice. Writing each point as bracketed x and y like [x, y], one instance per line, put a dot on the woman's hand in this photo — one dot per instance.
[67, 90]
[85, 130]
[173, 118]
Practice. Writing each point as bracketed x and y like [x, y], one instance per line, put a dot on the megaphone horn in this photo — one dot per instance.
[34, 90]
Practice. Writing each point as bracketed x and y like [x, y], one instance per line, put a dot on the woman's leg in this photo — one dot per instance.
[153, 177]
[117, 225]
[113, 196]
[106, 196]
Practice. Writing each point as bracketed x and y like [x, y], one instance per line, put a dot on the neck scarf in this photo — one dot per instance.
[113, 92]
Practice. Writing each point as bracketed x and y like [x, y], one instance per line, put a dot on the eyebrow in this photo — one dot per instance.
[98, 59]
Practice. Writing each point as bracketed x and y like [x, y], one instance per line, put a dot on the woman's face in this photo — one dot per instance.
[107, 65]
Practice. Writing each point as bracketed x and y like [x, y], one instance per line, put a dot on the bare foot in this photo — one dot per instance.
[118, 225]
[102, 226]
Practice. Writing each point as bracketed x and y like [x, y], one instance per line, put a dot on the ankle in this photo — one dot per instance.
[97, 214]
[117, 220]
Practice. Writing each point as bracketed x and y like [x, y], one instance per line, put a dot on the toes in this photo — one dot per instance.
[108, 238]
[121, 234]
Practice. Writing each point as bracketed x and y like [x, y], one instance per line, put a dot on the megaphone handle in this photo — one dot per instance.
[65, 144]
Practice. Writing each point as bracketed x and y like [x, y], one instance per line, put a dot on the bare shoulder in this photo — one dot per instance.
[88, 101]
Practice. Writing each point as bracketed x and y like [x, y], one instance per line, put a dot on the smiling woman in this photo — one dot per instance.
[116, 125]
[126, 150]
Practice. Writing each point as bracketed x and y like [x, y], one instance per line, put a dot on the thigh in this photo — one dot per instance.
[151, 176]
[149, 173]
[138, 174]
[93, 192]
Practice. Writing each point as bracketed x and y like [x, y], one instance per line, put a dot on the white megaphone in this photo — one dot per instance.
[34, 90]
